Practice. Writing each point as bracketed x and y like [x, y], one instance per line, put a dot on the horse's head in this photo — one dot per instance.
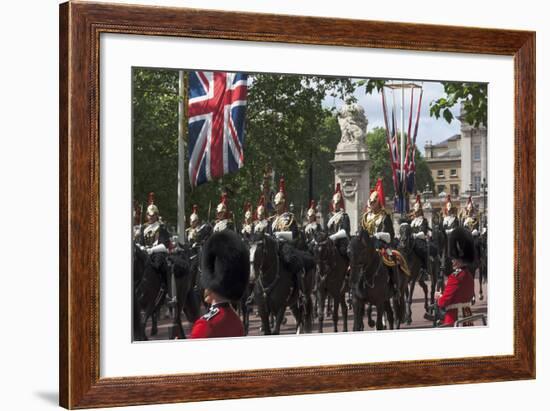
[405, 236]
[258, 251]
[360, 252]
[203, 232]
[323, 247]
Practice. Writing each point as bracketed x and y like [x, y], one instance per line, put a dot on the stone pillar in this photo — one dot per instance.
[351, 162]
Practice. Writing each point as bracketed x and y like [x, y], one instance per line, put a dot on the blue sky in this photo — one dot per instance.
[429, 128]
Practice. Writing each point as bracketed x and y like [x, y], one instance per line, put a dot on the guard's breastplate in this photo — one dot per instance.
[470, 223]
[192, 234]
[151, 234]
[449, 222]
[416, 224]
[335, 222]
[222, 225]
[261, 226]
[282, 222]
[247, 229]
[372, 222]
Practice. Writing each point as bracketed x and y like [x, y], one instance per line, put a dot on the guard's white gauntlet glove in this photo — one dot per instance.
[383, 236]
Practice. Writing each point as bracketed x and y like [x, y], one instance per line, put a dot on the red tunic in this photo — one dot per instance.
[458, 294]
[220, 321]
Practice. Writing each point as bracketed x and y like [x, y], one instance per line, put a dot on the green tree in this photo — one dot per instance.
[381, 166]
[472, 95]
[287, 127]
[155, 138]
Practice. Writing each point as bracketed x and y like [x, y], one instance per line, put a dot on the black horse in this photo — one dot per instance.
[417, 267]
[439, 242]
[275, 287]
[148, 291]
[330, 281]
[370, 284]
[480, 263]
[183, 272]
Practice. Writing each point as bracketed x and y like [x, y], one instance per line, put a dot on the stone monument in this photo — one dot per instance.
[351, 162]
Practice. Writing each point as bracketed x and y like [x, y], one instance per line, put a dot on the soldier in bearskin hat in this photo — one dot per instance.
[225, 274]
[338, 225]
[223, 216]
[459, 290]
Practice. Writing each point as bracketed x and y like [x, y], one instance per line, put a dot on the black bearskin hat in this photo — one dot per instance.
[225, 265]
[461, 245]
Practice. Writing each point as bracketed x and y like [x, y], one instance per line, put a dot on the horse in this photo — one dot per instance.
[182, 270]
[275, 287]
[148, 291]
[417, 267]
[331, 273]
[480, 263]
[370, 283]
[439, 242]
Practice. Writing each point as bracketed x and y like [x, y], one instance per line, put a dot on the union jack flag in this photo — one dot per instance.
[217, 104]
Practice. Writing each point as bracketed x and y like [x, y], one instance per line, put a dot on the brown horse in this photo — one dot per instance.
[330, 279]
[370, 283]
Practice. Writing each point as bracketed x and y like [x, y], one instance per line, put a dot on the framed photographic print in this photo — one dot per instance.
[348, 204]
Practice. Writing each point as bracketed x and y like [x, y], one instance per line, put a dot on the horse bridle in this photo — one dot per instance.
[364, 269]
[266, 290]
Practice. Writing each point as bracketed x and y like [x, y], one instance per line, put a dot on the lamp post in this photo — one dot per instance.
[427, 194]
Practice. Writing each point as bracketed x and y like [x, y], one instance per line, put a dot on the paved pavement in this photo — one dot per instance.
[418, 320]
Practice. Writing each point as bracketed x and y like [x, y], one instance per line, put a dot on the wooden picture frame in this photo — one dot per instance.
[80, 27]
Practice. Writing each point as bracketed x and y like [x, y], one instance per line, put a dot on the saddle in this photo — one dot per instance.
[396, 258]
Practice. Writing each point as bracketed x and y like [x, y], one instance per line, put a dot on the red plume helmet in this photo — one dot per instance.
[222, 206]
[337, 198]
[151, 198]
[280, 197]
[311, 210]
[379, 188]
[260, 208]
[418, 203]
[137, 212]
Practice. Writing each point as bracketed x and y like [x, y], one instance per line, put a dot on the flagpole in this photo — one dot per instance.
[182, 131]
[402, 147]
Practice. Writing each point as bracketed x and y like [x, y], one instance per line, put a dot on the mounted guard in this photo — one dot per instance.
[261, 224]
[378, 223]
[155, 240]
[470, 219]
[223, 216]
[248, 223]
[338, 225]
[312, 227]
[419, 229]
[193, 229]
